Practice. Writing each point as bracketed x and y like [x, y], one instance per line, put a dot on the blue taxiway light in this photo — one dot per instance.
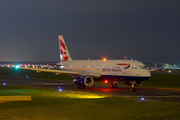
[60, 89]
[142, 98]
[27, 76]
[4, 83]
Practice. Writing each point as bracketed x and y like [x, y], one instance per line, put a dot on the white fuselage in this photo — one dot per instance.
[115, 68]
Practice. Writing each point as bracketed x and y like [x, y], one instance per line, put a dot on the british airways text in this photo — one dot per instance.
[111, 70]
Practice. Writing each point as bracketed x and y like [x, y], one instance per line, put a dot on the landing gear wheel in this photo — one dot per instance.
[79, 86]
[111, 86]
[115, 86]
[132, 89]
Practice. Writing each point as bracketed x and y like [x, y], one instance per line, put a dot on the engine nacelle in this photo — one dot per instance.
[84, 81]
[138, 83]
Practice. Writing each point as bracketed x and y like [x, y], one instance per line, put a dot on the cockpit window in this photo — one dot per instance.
[145, 67]
[139, 67]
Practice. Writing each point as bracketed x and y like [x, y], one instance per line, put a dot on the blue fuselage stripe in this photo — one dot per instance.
[122, 78]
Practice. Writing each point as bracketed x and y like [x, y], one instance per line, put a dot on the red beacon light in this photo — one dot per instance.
[104, 59]
[106, 81]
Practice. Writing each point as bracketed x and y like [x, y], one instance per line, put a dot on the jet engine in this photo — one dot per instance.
[138, 83]
[84, 81]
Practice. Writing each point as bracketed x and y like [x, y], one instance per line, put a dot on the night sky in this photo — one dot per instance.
[148, 30]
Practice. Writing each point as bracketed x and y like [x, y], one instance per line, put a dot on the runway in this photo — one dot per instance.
[169, 95]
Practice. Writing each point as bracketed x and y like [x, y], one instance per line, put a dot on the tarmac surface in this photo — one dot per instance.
[168, 95]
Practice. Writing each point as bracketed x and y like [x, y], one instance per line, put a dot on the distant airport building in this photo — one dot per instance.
[162, 65]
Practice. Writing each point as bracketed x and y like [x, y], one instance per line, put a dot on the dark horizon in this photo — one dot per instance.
[53, 62]
[146, 30]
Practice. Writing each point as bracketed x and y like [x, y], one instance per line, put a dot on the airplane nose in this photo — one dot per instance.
[147, 73]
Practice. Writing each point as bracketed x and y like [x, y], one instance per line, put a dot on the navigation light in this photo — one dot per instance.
[104, 59]
[4, 83]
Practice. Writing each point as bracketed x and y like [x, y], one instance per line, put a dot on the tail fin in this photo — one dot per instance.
[64, 54]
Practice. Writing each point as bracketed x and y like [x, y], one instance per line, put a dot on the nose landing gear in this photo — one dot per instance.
[132, 89]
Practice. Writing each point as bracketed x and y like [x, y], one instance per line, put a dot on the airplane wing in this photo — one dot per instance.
[94, 75]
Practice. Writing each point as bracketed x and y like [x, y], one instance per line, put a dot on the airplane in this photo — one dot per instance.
[85, 72]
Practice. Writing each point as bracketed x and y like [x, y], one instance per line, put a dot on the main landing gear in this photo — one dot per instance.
[81, 87]
[113, 85]
[132, 89]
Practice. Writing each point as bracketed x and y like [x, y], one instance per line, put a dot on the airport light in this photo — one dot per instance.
[27, 76]
[59, 89]
[104, 59]
[4, 83]
[17, 66]
[142, 98]
[106, 81]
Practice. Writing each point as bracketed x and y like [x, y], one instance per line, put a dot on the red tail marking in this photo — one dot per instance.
[64, 55]
[62, 44]
[65, 58]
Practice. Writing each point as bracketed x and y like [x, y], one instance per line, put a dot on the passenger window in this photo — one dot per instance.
[137, 67]
[141, 67]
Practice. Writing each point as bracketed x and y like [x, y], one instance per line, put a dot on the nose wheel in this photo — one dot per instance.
[132, 89]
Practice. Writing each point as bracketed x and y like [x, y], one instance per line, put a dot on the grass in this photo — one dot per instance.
[50, 104]
[163, 81]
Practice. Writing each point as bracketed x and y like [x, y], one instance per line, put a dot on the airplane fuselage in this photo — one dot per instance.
[110, 70]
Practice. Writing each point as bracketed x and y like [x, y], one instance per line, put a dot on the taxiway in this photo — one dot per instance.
[169, 95]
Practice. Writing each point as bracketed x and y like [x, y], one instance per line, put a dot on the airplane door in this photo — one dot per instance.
[124, 70]
[98, 68]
